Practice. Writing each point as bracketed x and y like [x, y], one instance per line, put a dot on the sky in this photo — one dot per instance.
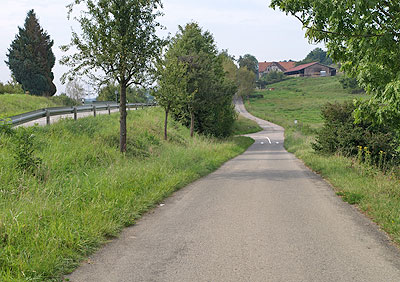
[241, 26]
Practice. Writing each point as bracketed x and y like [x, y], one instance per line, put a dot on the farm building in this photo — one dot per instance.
[266, 67]
[311, 69]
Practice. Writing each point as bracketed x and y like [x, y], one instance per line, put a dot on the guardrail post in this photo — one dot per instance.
[75, 113]
[47, 117]
[94, 110]
[109, 109]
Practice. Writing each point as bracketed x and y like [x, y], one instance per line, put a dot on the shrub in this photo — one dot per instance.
[341, 134]
[63, 99]
[273, 77]
[24, 151]
[351, 85]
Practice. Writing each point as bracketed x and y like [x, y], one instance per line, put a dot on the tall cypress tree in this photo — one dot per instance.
[31, 59]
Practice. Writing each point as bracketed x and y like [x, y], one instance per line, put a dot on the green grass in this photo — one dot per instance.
[85, 191]
[376, 194]
[245, 126]
[298, 99]
[14, 104]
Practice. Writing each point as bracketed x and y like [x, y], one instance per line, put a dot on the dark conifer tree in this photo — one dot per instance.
[31, 59]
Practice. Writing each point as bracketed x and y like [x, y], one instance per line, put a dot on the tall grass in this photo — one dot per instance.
[84, 191]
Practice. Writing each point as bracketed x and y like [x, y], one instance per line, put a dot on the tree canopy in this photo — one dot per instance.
[207, 101]
[250, 62]
[363, 36]
[31, 59]
[118, 43]
[316, 55]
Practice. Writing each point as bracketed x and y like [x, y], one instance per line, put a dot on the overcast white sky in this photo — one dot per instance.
[241, 26]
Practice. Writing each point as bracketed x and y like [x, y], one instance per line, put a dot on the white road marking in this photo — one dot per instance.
[262, 143]
[269, 140]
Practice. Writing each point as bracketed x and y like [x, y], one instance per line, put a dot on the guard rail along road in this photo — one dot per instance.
[57, 111]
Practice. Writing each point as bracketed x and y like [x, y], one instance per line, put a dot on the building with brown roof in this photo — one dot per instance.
[311, 69]
[266, 67]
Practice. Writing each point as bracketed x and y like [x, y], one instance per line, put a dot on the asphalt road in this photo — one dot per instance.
[262, 216]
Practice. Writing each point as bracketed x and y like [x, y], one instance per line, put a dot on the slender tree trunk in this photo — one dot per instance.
[191, 124]
[122, 120]
[166, 123]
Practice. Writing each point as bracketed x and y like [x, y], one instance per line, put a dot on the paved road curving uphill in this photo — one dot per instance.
[262, 216]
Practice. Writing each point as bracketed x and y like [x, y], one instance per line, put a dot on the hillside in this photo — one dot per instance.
[14, 104]
[298, 98]
[66, 189]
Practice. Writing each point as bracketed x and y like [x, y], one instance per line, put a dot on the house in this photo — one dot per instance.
[266, 67]
[311, 69]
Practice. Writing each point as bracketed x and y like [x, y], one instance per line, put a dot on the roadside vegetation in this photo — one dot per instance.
[245, 126]
[14, 104]
[355, 158]
[66, 189]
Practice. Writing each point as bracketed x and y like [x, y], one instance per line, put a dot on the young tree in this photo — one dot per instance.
[118, 43]
[31, 59]
[75, 90]
[246, 80]
[171, 86]
[363, 36]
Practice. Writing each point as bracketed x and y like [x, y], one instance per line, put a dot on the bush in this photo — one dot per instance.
[341, 134]
[351, 85]
[63, 99]
[273, 77]
[11, 87]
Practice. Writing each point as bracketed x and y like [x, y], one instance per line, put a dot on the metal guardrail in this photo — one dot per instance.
[49, 112]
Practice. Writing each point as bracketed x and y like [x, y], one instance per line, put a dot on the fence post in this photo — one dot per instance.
[75, 113]
[47, 117]
[94, 110]
[109, 109]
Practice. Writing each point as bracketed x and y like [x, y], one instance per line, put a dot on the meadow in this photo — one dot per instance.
[66, 189]
[375, 193]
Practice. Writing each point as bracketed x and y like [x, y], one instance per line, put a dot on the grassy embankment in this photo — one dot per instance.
[376, 194]
[84, 191]
[14, 104]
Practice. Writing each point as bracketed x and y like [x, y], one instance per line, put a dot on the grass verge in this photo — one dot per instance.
[245, 126]
[376, 194]
[83, 191]
[15, 104]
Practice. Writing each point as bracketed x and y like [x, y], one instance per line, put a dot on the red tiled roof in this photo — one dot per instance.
[287, 65]
[301, 67]
[262, 66]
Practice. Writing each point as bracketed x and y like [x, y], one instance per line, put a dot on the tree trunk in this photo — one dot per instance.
[166, 123]
[122, 120]
[191, 124]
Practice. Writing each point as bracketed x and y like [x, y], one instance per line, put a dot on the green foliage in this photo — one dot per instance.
[133, 95]
[31, 59]
[6, 127]
[362, 36]
[11, 87]
[246, 81]
[24, 151]
[89, 192]
[118, 43]
[350, 84]
[341, 134]
[250, 62]
[245, 126]
[316, 55]
[64, 100]
[208, 97]
[273, 77]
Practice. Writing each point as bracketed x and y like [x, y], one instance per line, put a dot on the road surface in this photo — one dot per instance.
[262, 216]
